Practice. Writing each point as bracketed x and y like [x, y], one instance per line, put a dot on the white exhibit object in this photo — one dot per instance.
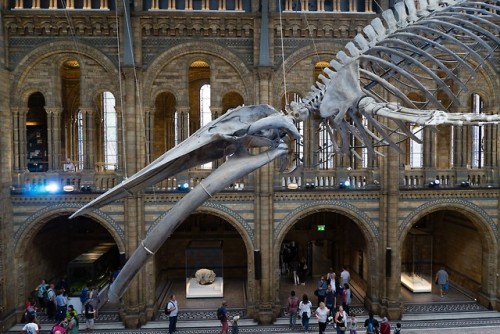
[197, 290]
[415, 283]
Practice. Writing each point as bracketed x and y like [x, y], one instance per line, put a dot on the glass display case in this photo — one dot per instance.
[205, 269]
[416, 258]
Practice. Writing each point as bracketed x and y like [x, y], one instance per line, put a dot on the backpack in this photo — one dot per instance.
[46, 295]
[220, 314]
[370, 328]
[167, 312]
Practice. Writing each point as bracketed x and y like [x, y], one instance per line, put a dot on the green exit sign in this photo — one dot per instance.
[321, 228]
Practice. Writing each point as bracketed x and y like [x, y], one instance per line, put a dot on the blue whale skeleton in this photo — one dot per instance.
[432, 47]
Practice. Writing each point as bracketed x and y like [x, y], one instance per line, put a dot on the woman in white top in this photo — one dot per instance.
[305, 311]
[322, 314]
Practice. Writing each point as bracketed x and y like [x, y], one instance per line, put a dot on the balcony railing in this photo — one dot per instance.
[65, 5]
[102, 180]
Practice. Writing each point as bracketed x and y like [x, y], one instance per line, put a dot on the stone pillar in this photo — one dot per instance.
[182, 123]
[87, 139]
[264, 219]
[149, 125]
[19, 139]
[54, 138]
[390, 248]
[134, 313]
[121, 145]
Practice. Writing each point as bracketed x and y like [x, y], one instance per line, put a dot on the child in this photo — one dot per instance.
[351, 324]
[397, 330]
[234, 327]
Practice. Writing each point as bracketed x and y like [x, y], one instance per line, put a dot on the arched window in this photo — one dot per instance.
[79, 126]
[205, 113]
[477, 134]
[110, 125]
[416, 149]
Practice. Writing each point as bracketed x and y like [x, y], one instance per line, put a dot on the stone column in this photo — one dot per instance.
[134, 313]
[121, 145]
[19, 139]
[88, 136]
[390, 248]
[264, 219]
[182, 123]
[54, 138]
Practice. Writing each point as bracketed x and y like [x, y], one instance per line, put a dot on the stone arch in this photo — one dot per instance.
[365, 224]
[33, 224]
[198, 51]
[326, 50]
[161, 90]
[63, 50]
[486, 226]
[238, 222]
[225, 213]
[368, 228]
[481, 220]
[28, 229]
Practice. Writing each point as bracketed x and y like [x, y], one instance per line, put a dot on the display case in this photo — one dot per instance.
[416, 258]
[205, 269]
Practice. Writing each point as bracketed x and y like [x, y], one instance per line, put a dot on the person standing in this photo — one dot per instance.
[385, 326]
[322, 313]
[442, 280]
[89, 316]
[305, 312]
[41, 292]
[345, 277]
[295, 270]
[234, 325]
[61, 307]
[72, 324]
[303, 270]
[222, 315]
[346, 298]
[173, 310]
[50, 302]
[321, 289]
[292, 308]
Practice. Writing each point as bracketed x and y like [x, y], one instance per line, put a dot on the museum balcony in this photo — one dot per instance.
[102, 179]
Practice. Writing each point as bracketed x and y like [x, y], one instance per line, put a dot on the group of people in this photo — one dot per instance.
[54, 302]
[327, 290]
[172, 311]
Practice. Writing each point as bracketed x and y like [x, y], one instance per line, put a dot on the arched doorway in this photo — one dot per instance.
[71, 254]
[325, 240]
[171, 261]
[450, 239]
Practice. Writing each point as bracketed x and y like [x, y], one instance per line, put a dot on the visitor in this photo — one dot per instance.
[292, 308]
[305, 312]
[173, 310]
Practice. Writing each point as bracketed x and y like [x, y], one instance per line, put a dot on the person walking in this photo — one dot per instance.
[305, 312]
[31, 326]
[442, 281]
[292, 308]
[341, 320]
[50, 302]
[352, 324]
[346, 298]
[330, 298]
[371, 324]
[222, 315]
[172, 309]
[322, 313]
